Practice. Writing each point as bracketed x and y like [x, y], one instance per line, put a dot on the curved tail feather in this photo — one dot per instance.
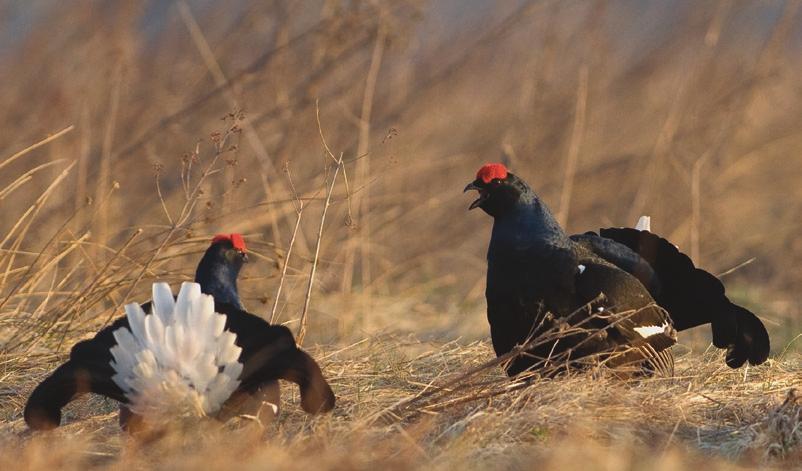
[694, 297]
[316, 394]
[272, 354]
[751, 339]
[68, 382]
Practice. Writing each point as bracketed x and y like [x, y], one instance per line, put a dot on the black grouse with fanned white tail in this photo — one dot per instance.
[539, 278]
[202, 350]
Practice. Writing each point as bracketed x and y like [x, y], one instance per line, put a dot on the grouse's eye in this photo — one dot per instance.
[496, 181]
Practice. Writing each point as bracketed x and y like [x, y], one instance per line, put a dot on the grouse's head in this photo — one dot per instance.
[229, 249]
[499, 190]
[219, 268]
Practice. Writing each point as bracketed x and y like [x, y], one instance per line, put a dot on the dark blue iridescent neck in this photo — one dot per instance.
[529, 223]
[218, 278]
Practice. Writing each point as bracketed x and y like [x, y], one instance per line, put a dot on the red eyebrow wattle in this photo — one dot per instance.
[490, 172]
[236, 240]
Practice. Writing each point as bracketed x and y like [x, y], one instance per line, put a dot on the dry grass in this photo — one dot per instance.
[115, 169]
[707, 413]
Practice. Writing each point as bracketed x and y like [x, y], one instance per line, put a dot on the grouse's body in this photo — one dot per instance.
[267, 353]
[539, 279]
[217, 274]
[535, 269]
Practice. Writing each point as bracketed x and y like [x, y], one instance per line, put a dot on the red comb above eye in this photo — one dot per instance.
[490, 172]
[236, 240]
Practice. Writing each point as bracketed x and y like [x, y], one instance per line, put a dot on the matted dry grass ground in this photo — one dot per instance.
[707, 415]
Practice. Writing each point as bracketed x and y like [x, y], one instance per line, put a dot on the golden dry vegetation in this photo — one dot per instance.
[134, 130]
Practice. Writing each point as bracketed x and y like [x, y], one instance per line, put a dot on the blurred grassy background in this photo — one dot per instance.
[684, 110]
[169, 121]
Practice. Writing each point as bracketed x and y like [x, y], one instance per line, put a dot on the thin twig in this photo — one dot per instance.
[302, 326]
[362, 203]
[736, 267]
[32, 147]
[286, 265]
[32, 211]
[102, 271]
[299, 210]
[222, 82]
[573, 149]
[161, 200]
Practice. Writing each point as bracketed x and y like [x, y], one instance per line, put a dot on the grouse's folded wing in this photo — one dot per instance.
[621, 256]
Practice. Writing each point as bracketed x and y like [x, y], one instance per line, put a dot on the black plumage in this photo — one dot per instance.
[539, 278]
[692, 296]
[268, 352]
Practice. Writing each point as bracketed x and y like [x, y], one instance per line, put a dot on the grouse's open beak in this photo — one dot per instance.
[483, 194]
[244, 257]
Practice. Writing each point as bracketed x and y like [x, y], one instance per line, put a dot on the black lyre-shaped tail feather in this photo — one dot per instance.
[68, 382]
[695, 297]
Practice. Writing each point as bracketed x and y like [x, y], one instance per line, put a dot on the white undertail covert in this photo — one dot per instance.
[644, 223]
[178, 360]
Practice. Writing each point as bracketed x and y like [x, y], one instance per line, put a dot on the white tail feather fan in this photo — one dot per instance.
[178, 360]
[644, 223]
